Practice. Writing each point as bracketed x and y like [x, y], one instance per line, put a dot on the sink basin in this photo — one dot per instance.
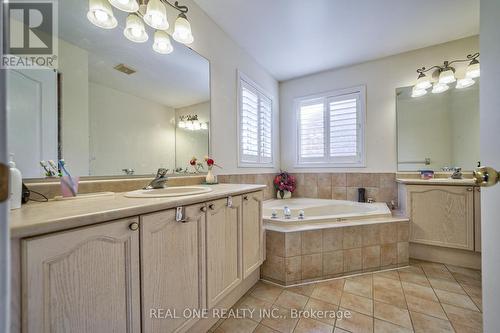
[175, 191]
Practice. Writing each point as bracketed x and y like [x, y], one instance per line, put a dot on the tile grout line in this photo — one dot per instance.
[406, 302]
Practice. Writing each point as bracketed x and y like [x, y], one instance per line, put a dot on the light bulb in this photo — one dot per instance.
[134, 29]
[196, 126]
[162, 43]
[418, 92]
[465, 83]
[439, 88]
[129, 6]
[182, 31]
[204, 126]
[473, 70]
[189, 126]
[447, 76]
[423, 82]
[101, 14]
[156, 15]
[182, 124]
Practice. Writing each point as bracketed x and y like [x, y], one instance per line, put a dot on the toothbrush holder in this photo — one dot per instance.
[69, 186]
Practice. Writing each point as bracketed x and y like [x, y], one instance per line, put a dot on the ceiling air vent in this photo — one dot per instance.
[124, 69]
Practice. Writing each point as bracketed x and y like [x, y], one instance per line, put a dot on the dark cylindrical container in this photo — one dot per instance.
[361, 194]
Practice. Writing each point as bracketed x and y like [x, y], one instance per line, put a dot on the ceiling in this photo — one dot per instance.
[292, 38]
[178, 79]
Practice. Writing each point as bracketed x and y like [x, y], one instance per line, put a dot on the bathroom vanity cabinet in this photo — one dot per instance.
[444, 222]
[121, 276]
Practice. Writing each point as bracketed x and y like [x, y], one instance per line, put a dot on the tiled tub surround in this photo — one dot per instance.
[299, 257]
[382, 187]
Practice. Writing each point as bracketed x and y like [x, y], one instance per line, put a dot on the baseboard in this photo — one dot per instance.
[444, 255]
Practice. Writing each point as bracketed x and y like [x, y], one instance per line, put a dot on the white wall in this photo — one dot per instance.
[490, 155]
[381, 78]
[225, 58]
[73, 64]
[127, 131]
[191, 143]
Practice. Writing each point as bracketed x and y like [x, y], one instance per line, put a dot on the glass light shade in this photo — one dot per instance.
[182, 30]
[129, 6]
[465, 83]
[447, 76]
[182, 124]
[162, 43]
[101, 14]
[418, 92]
[204, 126]
[134, 29]
[189, 125]
[156, 15]
[473, 71]
[423, 82]
[439, 88]
[196, 126]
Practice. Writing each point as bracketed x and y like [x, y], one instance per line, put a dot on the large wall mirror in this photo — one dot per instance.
[113, 107]
[437, 131]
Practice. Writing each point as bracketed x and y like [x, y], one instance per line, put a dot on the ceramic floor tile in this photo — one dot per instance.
[328, 291]
[381, 282]
[255, 307]
[462, 301]
[358, 303]
[466, 329]
[412, 269]
[305, 290]
[419, 291]
[290, 300]
[446, 285]
[283, 322]
[381, 326]
[388, 274]
[463, 317]
[357, 322]
[237, 325]
[425, 306]
[267, 292]
[392, 314]
[473, 273]
[264, 329]
[414, 278]
[361, 287]
[328, 310]
[438, 272]
[339, 330]
[312, 326]
[390, 296]
[427, 324]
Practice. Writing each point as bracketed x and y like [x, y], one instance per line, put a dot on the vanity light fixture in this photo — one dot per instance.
[152, 12]
[101, 14]
[444, 75]
[191, 122]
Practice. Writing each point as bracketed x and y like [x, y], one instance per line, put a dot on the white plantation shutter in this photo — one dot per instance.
[331, 129]
[256, 123]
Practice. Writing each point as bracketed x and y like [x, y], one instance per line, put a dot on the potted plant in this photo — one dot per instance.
[285, 185]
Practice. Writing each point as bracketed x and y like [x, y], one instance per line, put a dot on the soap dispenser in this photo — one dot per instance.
[15, 185]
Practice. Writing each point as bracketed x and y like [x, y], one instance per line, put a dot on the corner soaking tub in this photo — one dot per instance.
[322, 213]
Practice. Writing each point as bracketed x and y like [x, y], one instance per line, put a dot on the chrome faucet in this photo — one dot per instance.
[159, 181]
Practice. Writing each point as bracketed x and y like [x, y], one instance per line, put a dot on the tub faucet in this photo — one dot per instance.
[159, 181]
[287, 212]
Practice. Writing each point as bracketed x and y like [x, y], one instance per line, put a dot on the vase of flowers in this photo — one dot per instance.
[285, 185]
[210, 178]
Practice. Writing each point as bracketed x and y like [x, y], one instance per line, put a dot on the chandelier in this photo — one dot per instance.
[445, 75]
[191, 123]
[151, 12]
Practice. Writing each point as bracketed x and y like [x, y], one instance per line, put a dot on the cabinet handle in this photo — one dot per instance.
[245, 198]
[469, 189]
[203, 209]
[133, 226]
[211, 206]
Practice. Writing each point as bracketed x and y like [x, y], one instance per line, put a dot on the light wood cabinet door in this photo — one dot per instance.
[442, 215]
[253, 235]
[224, 269]
[83, 280]
[172, 265]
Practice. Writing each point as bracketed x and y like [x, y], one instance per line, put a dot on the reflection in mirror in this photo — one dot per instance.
[440, 128]
[112, 108]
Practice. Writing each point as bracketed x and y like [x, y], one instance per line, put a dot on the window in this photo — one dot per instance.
[255, 125]
[331, 129]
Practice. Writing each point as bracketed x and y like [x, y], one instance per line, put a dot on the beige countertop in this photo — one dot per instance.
[437, 181]
[39, 218]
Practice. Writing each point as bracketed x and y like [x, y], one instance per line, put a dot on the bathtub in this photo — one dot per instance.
[322, 213]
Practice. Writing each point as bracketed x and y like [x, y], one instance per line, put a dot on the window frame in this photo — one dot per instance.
[241, 77]
[327, 161]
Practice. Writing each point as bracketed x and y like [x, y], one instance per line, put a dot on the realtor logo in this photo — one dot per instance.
[29, 34]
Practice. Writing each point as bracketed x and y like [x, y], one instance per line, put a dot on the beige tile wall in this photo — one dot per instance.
[297, 257]
[381, 187]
